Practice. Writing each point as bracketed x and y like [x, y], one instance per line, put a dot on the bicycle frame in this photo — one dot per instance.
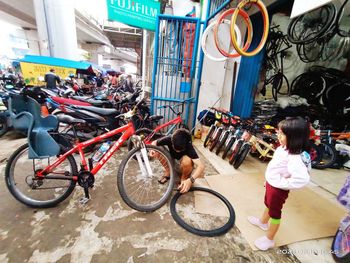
[172, 122]
[128, 130]
[256, 142]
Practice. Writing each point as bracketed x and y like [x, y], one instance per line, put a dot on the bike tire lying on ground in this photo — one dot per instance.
[208, 233]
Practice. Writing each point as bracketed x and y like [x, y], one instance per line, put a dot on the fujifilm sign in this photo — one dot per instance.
[138, 13]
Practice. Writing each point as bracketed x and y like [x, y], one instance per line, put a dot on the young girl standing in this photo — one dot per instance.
[288, 169]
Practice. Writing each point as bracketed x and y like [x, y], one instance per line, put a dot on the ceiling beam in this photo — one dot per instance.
[17, 13]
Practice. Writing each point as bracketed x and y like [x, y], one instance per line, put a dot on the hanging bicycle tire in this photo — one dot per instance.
[321, 20]
[216, 231]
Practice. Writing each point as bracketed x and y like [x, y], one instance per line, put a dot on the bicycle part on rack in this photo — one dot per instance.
[266, 27]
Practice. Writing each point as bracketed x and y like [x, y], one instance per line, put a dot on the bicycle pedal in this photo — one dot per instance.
[84, 200]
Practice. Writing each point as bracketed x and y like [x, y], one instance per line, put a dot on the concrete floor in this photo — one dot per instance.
[106, 230]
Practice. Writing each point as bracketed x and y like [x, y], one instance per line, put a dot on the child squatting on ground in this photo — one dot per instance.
[288, 169]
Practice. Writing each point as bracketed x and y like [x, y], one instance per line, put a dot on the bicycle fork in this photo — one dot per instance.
[142, 156]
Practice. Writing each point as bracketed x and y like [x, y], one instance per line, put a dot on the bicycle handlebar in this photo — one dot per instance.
[176, 105]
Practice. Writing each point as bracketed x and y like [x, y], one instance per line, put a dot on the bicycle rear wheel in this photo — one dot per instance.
[202, 223]
[26, 187]
[140, 190]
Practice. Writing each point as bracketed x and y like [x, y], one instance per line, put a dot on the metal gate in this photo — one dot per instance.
[176, 48]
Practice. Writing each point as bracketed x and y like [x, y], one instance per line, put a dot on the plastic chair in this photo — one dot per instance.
[20, 118]
[41, 144]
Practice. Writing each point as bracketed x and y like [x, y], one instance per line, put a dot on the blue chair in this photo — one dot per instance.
[41, 144]
[18, 113]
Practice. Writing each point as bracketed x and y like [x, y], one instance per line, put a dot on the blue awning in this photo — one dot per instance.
[59, 62]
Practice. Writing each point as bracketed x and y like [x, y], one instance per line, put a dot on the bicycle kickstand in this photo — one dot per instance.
[86, 198]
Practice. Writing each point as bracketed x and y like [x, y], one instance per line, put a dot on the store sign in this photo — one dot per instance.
[31, 72]
[137, 13]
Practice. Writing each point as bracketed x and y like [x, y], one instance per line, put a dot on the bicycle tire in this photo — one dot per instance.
[301, 39]
[245, 149]
[215, 140]
[335, 249]
[235, 31]
[123, 182]
[235, 150]
[340, 15]
[319, 163]
[208, 137]
[208, 233]
[228, 147]
[221, 143]
[21, 197]
[262, 8]
[284, 80]
[204, 47]
[276, 85]
[3, 126]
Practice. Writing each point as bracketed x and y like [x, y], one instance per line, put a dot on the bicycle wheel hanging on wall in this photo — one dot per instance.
[236, 31]
[203, 224]
[266, 26]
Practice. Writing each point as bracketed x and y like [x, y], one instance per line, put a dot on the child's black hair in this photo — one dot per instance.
[180, 139]
[297, 131]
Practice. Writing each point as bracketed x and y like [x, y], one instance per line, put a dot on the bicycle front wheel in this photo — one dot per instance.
[140, 189]
[29, 189]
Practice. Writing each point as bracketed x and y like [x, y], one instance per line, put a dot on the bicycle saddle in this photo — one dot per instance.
[155, 118]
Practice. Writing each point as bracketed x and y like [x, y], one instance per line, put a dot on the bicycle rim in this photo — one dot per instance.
[138, 189]
[28, 189]
[318, 20]
[202, 223]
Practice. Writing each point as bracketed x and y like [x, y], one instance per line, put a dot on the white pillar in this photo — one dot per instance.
[42, 28]
[60, 29]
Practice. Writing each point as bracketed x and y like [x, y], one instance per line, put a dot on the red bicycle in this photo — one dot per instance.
[47, 182]
[148, 135]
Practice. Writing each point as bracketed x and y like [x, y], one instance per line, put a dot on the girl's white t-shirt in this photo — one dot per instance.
[288, 171]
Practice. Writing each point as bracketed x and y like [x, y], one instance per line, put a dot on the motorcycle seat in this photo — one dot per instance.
[69, 119]
[101, 111]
